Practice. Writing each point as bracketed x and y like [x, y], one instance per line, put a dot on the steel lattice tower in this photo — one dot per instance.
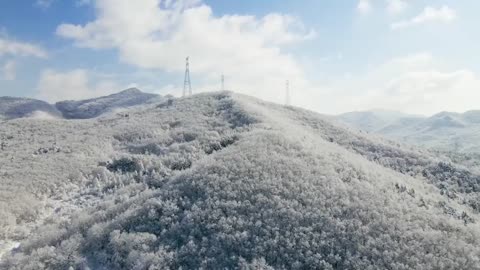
[187, 85]
[287, 93]
[223, 83]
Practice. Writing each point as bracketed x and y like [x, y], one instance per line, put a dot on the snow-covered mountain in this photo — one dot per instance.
[226, 181]
[445, 131]
[375, 119]
[90, 108]
[13, 107]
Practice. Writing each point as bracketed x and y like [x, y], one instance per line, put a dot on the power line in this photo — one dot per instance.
[187, 85]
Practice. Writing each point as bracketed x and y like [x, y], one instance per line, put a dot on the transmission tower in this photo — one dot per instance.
[223, 83]
[287, 93]
[186, 83]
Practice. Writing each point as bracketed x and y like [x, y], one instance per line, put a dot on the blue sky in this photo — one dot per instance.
[412, 56]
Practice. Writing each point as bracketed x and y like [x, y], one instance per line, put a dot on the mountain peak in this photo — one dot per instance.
[132, 90]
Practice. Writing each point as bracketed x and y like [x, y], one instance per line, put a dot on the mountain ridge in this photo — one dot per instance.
[17, 107]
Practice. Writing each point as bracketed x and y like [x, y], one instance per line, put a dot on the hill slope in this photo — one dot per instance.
[226, 181]
[90, 108]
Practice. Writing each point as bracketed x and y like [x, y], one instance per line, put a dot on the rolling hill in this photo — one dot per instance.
[226, 181]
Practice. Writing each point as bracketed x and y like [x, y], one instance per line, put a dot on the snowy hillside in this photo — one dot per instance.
[90, 108]
[12, 107]
[225, 181]
[444, 131]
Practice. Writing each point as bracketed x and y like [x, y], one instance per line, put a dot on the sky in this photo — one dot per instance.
[417, 57]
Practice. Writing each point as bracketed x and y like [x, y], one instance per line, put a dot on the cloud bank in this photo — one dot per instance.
[245, 48]
[416, 83]
[252, 53]
[16, 48]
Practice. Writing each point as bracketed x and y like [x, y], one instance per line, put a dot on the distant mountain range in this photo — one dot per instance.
[90, 108]
[14, 107]
[447, 131]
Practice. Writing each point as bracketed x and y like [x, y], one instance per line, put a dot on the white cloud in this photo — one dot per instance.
[392, 6]
[76, 84]
[444, 14]
[44, 4]
[396, 6]
[245, 48]
[8, 70]
[364, 6]
[80, 3]
[16, 48]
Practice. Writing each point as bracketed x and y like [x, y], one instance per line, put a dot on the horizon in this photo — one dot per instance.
[373, 110]
[358, 55]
